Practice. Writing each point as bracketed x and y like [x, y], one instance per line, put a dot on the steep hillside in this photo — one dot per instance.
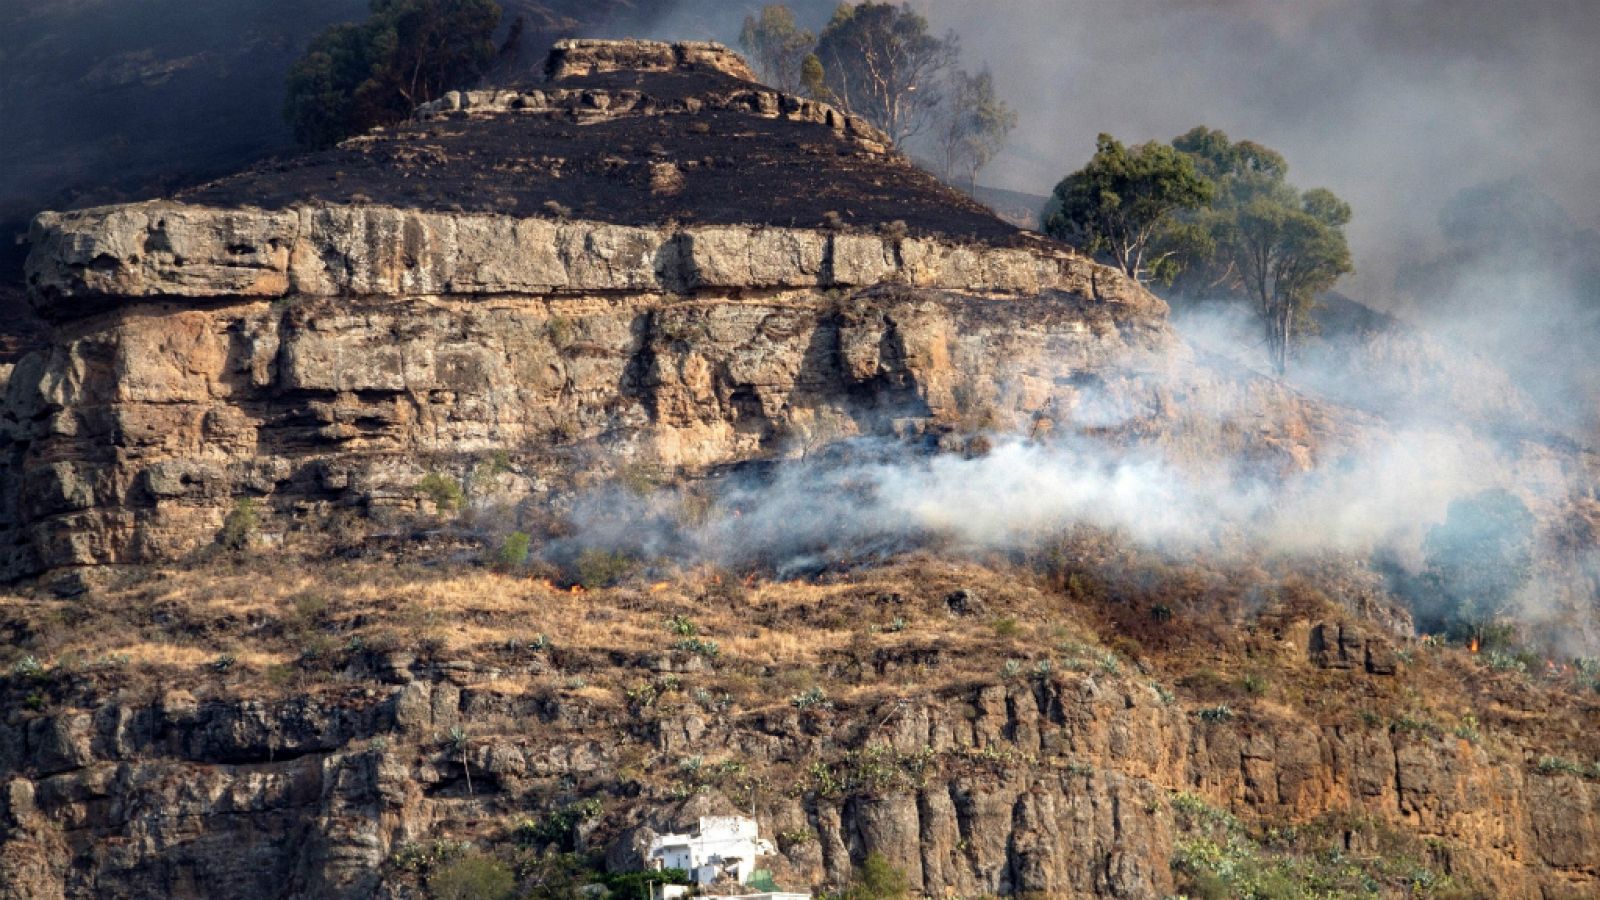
[490, 494]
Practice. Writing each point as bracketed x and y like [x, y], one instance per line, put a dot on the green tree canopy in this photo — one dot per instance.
[973, 127]
[778, 47]
[882, 63]
[1124, 204]
[408, 52]
[1223, 160]
[814, 79]
[1263, 237]
[1279, 245]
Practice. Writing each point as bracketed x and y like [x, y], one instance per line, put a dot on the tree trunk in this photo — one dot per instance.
[1278, 322]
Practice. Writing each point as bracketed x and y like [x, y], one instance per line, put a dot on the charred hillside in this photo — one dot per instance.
[691, 140]
[500, 492]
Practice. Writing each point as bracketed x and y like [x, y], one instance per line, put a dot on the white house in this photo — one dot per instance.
[719, 846]
[677, 891]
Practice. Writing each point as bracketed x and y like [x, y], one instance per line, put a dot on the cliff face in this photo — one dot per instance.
[1089, 779]
[327, 358]
[648, 260]
[324, 355]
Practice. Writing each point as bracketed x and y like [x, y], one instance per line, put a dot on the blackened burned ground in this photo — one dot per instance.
[736, 167]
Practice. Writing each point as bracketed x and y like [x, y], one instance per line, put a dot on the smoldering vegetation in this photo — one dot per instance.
[1478, 531]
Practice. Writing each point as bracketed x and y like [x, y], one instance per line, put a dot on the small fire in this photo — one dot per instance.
[1474, 645]
[577, 589]
[659, 586]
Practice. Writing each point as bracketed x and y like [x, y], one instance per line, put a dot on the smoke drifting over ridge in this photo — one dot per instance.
[1394, 106]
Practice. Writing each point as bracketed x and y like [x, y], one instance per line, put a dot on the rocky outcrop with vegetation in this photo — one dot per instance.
[275, 636]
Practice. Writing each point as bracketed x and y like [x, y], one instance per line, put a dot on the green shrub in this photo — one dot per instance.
[1006, 628]
[309, 608]
[240, 526]
[413, 857]
[682, 626]
[28, 667]
[1501, 661]
[699, 646]
[472, 877]
[1551, 765]
[445, 493]
[640, 479]
[877, 880]
[1409, 724]
[514, 549]
[816, 698]
[603, 568]
[557, 827]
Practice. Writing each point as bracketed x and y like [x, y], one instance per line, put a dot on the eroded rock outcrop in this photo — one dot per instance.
[1061, 786]
[322, 356]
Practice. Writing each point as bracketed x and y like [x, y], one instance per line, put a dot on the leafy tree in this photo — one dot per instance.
[1223, 160]
[1262, 236]
[973, 128]
[1476, 561]
[877, 880]
[814, 79]
[408, 52]
[882, 63]
[778, 47]
[1125, 202]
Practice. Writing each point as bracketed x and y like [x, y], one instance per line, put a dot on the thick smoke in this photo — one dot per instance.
[876, 497]
[1383, 502]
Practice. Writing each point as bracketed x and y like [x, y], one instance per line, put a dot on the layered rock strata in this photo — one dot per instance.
[1061, 787]
[319, 356]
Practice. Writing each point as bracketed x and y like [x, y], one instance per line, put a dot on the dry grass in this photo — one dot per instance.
[861, 637]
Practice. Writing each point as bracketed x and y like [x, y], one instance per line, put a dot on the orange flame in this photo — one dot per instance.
[1474, 645]
[577, 589]
[659, 586]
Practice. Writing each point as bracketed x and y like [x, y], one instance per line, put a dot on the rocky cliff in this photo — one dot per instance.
[313, 347]
[1081, 772]
[647, 263]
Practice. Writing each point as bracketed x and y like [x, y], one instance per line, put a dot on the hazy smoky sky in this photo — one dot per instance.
[1394, 104]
